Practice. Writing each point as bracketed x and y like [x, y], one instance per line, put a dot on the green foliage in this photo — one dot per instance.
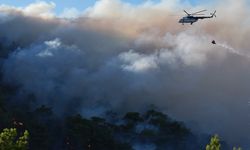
[95, 133]
[157, 118]
[148, 133]
[41, 125]
[214, 143]
[237, 148]
[47, 131]
[10, 141]
[133, 117]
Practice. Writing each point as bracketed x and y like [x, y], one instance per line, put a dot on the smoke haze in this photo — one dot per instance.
[122, 57]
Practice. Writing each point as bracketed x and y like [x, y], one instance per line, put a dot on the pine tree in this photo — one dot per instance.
[214, 143]
[237, 148]
[10, 141]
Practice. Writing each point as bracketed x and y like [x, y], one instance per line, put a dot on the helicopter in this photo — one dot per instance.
[191, 18]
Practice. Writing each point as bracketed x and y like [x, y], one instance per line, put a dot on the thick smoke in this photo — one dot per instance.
[121, 57]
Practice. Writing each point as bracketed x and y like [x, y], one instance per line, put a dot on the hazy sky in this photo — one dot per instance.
[78, 4]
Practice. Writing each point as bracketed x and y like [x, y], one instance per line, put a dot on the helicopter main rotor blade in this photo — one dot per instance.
[198, 12]
[186, 12]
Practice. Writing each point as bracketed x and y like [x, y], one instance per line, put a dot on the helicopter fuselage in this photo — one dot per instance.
[188, 19]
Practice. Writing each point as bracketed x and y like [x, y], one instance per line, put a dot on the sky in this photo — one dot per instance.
[78, 4]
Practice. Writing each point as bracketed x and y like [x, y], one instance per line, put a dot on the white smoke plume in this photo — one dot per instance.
[232, 50]
[39, 9]
[122, 57]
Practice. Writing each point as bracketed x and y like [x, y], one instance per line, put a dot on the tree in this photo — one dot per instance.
[9, 140]
[237, 148]
[133, 117]
[94, 133]
[214, 143]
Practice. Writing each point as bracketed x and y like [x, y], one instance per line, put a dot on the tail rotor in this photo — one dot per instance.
[213, 14]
